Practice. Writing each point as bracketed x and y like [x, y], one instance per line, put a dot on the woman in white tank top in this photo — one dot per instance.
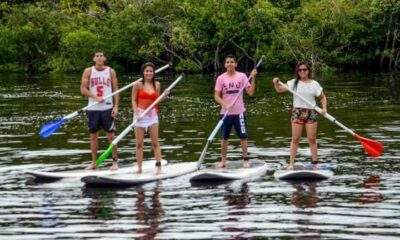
[303, 115]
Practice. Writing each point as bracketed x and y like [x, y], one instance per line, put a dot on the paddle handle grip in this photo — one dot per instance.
[318, 109]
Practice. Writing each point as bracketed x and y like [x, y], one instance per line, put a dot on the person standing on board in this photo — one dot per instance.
[303, 115]
[227, 87]
[144, 93]
[97, 82]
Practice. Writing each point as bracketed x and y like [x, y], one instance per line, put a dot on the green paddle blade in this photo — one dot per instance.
[106, 154]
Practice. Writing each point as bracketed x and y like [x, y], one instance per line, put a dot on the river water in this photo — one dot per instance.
[361, 201]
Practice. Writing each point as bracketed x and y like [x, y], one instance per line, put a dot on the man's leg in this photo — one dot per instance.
[110, 137]
[93, 149]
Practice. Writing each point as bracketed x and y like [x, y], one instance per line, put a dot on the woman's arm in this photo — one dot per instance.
[134, 97]
[324, 102]
[277, 86]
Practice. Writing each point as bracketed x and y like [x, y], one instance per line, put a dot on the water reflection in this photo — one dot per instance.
[372, 183]
[150, 213]
[305, 194]
[101, 205]
[237, 199]
[304, 197]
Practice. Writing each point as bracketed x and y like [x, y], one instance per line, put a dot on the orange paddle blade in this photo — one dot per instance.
[372, 147]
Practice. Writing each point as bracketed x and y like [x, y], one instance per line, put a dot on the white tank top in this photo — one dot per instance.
[100, 85]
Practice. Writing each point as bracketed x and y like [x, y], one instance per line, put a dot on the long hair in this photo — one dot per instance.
[144, 66]
[308, 65]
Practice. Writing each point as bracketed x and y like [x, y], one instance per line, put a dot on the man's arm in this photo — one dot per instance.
[218, 99]
[114, 81]
[85, 86]
[252, 88]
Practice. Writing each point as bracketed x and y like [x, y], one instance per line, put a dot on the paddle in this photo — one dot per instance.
[221, 121]
[49, 128]
[106, 154]
[371, 147]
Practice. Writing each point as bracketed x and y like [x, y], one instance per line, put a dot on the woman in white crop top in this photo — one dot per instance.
[304, 115]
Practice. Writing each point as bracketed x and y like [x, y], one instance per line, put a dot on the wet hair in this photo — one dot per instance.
[308, 65]
[144, 66]
[230, 56]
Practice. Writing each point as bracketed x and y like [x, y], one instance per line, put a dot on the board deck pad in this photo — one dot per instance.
[150, 164]
[233, 170]
[149, 175]
[304, 172]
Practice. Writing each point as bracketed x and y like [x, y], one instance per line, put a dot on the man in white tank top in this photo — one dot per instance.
[97, 82]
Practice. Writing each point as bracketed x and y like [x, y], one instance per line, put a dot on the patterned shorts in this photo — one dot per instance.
[304, 115]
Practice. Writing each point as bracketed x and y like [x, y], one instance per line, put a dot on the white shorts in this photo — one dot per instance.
[147, 120]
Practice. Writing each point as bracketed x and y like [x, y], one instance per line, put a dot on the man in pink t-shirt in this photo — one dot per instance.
[227, 87]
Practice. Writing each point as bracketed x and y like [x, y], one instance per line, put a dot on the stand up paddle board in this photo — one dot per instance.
[81, 173]
[233, 170]
[148, 175]
[305, 172]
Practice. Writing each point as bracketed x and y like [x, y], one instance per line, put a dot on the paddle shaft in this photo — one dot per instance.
[74, 114]
[129, 128]
[319, 110]
[221, 121]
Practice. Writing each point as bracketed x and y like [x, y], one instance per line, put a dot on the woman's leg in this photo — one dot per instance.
[153, 129]
[297, 129]
[139, 135]
[311, 129]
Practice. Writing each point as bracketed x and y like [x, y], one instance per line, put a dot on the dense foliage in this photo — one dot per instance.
[61, 35]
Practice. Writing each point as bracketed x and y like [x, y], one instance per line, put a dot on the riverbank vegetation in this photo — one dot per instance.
[61, 35]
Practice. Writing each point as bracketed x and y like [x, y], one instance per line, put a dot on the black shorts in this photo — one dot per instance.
[236, 121]
[100, 119]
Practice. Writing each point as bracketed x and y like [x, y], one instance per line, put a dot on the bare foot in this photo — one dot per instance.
[289, 167]
[114, 166]
[246, 164]
[158, 170]
[92, 166]
[221, 164]
[315, 165]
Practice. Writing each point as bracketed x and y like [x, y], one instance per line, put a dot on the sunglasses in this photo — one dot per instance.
[303, 70]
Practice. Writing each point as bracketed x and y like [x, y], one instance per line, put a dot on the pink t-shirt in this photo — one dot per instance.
[230, 87]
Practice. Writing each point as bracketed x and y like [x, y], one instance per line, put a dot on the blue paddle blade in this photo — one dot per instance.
[48, 129]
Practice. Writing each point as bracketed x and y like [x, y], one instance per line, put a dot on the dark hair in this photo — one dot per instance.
[230, 56]
[308, 65]
[144, 66]
[104, 54]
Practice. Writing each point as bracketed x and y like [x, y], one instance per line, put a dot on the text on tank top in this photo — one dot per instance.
[100, 85]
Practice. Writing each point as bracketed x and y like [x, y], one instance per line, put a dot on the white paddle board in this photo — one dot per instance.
[81, 173]
[304, 172]
[148, 175]
[233, 170]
